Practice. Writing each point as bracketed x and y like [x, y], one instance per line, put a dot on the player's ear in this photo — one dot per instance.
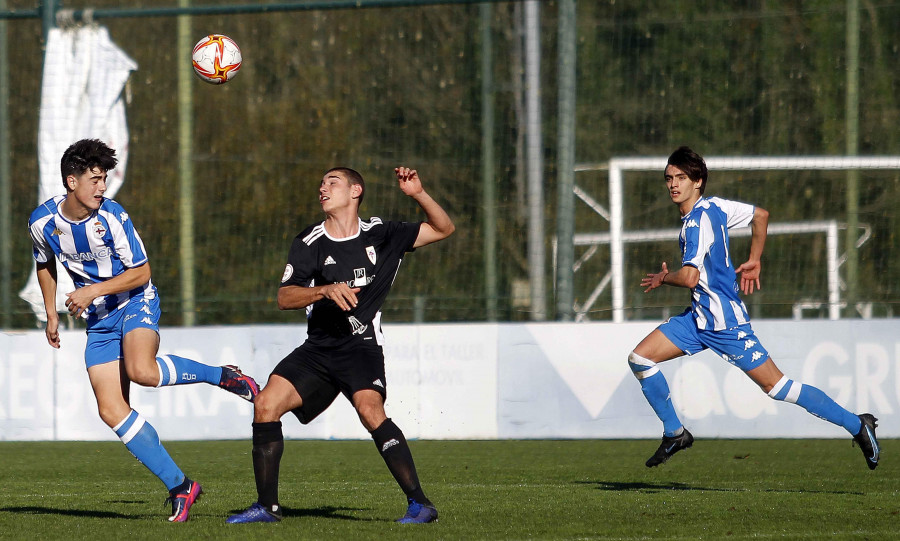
[70, 181]
[355, 191]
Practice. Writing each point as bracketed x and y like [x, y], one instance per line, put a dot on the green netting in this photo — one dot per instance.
[380, 87]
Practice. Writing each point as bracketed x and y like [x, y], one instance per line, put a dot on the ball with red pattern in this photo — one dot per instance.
[216, 58]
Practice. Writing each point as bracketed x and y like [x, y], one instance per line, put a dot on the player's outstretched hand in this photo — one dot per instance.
[654, 280]
[749, 271]
[408, 180]
[343, 295]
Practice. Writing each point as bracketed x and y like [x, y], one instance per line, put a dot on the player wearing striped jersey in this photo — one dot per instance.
[340, 271]
[96, 242]
[717, 318]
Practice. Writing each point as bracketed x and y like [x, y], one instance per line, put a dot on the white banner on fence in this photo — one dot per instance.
[479, 381]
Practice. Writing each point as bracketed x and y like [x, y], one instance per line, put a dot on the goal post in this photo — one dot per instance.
[618, 237]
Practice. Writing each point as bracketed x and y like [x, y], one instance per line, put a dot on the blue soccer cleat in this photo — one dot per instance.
[418, 513]
[183, 500]
[256, 513]
[235, 381]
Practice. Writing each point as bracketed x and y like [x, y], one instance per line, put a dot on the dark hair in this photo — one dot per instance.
[353, 178]
[692, 164]
[86, 154]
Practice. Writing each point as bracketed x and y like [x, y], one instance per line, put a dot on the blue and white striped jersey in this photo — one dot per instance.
[93, 250]
[715, 300]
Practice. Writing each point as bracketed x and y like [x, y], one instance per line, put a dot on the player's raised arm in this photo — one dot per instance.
[751, 269]
[437, 225]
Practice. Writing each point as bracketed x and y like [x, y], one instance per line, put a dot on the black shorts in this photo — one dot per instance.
[319, 374]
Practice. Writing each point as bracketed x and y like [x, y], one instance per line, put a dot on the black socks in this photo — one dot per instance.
[268, 446]
[396, 454]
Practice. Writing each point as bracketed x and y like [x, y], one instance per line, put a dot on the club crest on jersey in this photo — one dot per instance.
[370, 251]
[99, 230]
[56, 232]
[288, 271]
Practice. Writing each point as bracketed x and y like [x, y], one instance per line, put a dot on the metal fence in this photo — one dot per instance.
[475, 96]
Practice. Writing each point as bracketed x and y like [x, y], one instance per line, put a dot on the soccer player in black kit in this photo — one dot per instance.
[340, 270]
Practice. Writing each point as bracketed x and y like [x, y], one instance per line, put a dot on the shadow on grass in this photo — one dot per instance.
[618, 486]
[325, 511]
[82, 513]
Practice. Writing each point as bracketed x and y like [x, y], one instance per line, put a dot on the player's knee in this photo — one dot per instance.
[641, 367]
[112, 414]
[371, 415]
[143, 373]
[267, 407]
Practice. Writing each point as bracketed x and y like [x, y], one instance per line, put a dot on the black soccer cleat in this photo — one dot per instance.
[866, 440]
[669, 446]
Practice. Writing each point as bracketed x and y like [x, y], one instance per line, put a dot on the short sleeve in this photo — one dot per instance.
[738, 214]
[403, 234]
[126, 240]
[300, 265]
[41, 248]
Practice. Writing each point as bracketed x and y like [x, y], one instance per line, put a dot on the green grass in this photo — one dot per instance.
[568, 489]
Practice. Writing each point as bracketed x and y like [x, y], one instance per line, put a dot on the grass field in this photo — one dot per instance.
[581, 489]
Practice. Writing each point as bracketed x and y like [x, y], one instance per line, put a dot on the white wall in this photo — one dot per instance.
[539, 380]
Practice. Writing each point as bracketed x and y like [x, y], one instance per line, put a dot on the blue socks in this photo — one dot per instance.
[656, 390]
[813, 400]
[816, 402]
[175, 370]
[142, 440]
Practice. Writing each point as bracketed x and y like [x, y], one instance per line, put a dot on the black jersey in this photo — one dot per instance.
[368, 260]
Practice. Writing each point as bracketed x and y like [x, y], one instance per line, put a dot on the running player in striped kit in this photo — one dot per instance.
[95, 240]
[717, 318]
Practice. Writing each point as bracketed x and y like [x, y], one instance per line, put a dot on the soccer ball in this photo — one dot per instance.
[216, 58]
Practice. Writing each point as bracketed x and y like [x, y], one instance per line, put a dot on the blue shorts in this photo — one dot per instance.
[737, 345]
[104, 338]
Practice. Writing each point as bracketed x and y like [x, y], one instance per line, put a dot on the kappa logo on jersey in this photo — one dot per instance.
[749, 344]
[741, 335]
[757, 355]
[330, 261]
[288, 271]
[146, 321]
[146, 309]
[99, 230]
[56, 232]
[692, 223]
[370, 251]
[123, 217]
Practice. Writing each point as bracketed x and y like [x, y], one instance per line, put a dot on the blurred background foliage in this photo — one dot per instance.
[381, 87]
